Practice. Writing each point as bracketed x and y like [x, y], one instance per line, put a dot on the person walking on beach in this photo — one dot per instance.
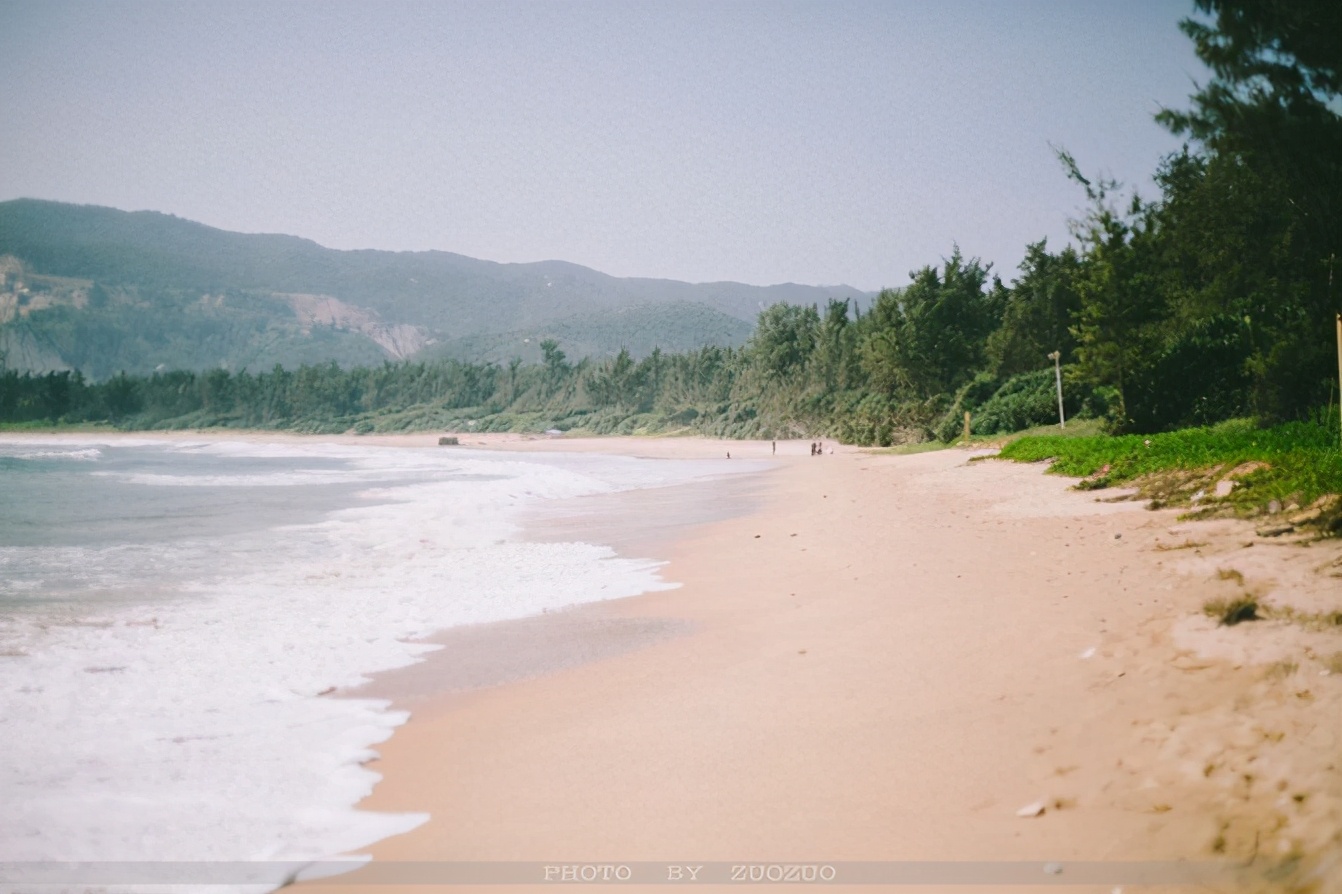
[773, 446]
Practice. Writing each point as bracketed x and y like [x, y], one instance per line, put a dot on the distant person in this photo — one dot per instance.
[773, 445]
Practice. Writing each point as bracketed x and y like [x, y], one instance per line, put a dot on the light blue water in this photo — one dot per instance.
[87, 496]
[84, 525]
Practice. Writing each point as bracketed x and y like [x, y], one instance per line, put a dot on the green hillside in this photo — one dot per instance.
[101, 290]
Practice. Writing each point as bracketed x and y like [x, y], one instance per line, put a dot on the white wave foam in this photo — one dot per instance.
[291, 478]
[85, 454]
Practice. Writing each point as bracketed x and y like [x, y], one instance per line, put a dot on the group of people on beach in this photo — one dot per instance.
[817, 449]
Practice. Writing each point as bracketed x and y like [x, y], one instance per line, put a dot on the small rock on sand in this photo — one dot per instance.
[1033, 809]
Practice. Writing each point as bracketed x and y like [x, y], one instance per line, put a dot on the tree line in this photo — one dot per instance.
[1214, 299]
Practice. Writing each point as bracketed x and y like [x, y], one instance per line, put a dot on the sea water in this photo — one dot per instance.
[174, 616]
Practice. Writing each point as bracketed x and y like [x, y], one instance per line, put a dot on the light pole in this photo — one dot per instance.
[1056, 357]
[1339, 372]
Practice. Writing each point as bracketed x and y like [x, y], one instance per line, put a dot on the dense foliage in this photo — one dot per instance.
[1213, 300]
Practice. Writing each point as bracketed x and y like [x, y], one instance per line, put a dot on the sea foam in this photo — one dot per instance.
[88, 453]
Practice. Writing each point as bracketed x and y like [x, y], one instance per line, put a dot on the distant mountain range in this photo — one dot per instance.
[102, 290]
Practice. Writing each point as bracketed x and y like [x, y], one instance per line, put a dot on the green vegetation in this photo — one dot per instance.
[1213, 301]
[1231, 610]
[1293, 464]
[620, 395]
[1325, 620]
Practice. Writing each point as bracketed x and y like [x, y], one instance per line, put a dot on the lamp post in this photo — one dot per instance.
[1339, 367]
[1056, 357]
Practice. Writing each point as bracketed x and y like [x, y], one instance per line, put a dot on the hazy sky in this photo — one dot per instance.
[769, 142]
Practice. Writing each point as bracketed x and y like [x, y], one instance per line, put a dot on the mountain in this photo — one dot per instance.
[103, 290]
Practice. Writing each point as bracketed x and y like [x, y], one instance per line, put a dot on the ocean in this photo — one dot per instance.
[174, 615]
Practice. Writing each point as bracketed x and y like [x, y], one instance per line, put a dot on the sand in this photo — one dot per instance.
[885, 661]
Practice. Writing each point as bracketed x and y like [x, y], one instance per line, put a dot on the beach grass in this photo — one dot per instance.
[1292, 464]
[1078, 428]
[1232, 611]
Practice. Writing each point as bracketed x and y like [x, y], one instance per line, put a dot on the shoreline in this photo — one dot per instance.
[887, 661]
[481, 656]
[639, 446]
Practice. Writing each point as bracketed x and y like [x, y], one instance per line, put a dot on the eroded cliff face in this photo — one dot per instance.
[399, 340]
[22, 291]
[19, 349]
[54, 323]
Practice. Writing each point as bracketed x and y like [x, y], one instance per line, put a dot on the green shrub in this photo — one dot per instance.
[1301, 459]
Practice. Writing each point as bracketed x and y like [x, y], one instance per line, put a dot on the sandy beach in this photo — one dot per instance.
[886, 661]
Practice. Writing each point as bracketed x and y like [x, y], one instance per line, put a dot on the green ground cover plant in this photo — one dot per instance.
[1291, 464]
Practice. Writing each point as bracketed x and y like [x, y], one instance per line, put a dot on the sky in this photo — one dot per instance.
[759, 142]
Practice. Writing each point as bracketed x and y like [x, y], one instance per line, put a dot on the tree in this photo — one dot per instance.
[617, 382]
[880, 348]
[1268, 120]
[929, 338]
[1039, 311]
[121, 396]
[835, 356]
[1277, 59]
[1121, 307]
[784, 338]
[513, 366]
[59, 392]
[555, 363]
